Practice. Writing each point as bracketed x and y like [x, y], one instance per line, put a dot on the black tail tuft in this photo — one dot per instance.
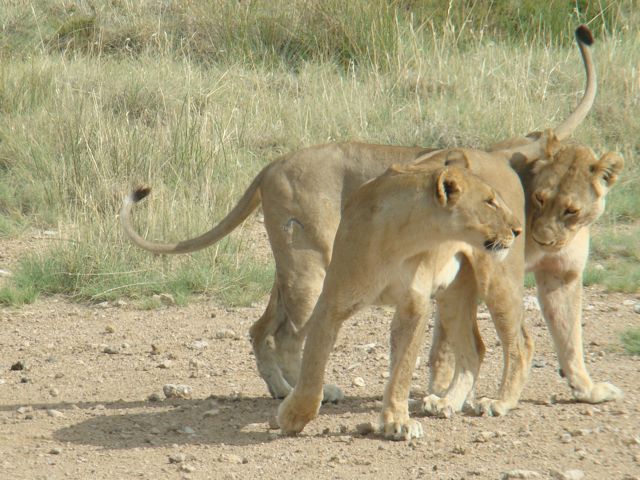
[584, 35]
[139, 193]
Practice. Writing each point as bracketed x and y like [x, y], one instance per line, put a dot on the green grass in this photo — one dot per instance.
[631, 341]
[193, 98]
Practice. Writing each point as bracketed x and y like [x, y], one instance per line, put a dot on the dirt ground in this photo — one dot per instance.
[89, 400]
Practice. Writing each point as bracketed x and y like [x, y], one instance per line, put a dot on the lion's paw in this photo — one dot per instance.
[294, 413]
[600, 392]
[331, 394]
[488, 407]
[437, 407]
[403, 430]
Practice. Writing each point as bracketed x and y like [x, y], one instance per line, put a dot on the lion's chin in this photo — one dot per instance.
[500, 254]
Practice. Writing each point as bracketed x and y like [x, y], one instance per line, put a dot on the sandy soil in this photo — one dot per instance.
[89, 401]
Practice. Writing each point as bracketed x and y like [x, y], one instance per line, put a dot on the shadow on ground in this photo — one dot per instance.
[221, 420]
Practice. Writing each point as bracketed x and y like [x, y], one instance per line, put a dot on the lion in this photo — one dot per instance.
[400, 239]
[302, 196]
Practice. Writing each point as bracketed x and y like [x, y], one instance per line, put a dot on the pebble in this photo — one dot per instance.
[566, 438]
[212, 413]
[19, 365]
[365, 428]
[225, 333]
[186, 467]
[55, 451]
[165, 364]
[26, 409]
[176, 391]
[539, 363]
[569, 475]
[531, 303]
[177, 458]
[231, 458]
[483, 437]
[154, 397]
[109, 329]
[165, 298]
[187, 431]
[199, 344]
[358, 382]
[459, 449]
[520, 474]
[55, 413]
[54, 392]
[110, 350]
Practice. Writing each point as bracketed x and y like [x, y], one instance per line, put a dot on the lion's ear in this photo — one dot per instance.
[448, 187]
[606, 170]
[458, 158]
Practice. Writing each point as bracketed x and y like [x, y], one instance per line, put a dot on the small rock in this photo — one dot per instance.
[483, 437]
[187, 431]
[566, 438]
[199, 344]
[459, 450]
[531, 303]
[188, 468]
[26, 409]
[109, 329]
[55, 413]
[19, 365]
[177, 458]
[25, 379]
[176, 391]
[568, 475]
[55, 451]
[581, 432]
[54, 392]
[231, 458]
[154, 397]
[110, 350]
[636, 307]
[358, 382]
[212, 413]
[155, 350]
[225, 333]
[165, 298]
[582, 454]
[273, 423]
[165, 364]
[520, 474]
[365, 428]
[539, 363]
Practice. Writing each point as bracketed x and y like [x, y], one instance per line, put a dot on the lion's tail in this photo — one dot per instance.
[247, 204]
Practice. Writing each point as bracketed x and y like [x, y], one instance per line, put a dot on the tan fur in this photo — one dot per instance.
[302, 197]
[565, 193]
[396, 241]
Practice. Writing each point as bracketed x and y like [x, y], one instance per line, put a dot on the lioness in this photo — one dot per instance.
[302, 195]
[400, 239]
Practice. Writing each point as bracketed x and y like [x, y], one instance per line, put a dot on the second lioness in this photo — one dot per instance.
[399, 240]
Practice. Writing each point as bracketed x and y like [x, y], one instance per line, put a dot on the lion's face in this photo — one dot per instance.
[568, 193]
[477, 211]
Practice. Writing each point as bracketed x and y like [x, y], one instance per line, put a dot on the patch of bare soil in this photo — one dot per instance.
[85, 400]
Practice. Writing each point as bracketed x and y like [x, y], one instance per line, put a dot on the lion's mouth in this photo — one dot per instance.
[495, 245]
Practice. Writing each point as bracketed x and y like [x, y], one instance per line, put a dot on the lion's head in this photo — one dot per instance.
[567, 192]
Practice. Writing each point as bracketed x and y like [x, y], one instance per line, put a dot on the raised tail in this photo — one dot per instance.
[247, 204]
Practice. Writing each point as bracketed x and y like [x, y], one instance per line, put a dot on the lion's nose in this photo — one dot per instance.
[516, 231]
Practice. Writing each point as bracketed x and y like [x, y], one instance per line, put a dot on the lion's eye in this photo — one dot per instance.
[538, 199]
[570, 211]
[492, 203]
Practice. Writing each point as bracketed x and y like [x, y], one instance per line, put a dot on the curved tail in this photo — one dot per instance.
[536, 149]
[247, 204]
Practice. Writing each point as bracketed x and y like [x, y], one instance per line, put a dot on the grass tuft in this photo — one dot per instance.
[631, 341]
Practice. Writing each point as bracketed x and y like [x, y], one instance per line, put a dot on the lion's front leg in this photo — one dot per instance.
[407, 335]
[560, 297]
[505, 304]
[303, 403]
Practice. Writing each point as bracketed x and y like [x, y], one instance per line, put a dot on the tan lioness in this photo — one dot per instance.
[400, 239]
[302, 196]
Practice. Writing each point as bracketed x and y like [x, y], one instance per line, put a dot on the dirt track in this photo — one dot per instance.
[77, 411]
